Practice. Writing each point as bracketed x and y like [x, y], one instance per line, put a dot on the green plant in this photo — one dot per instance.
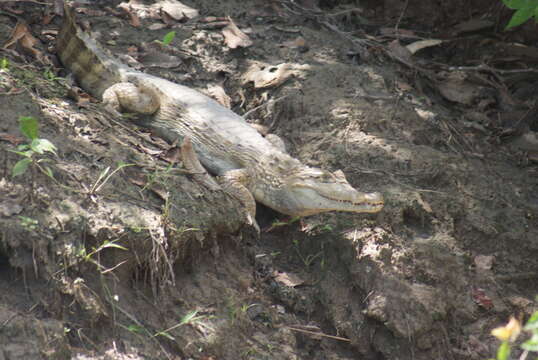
[509, 333]
[105, 175]
[49, 75]
[88, 256]
[135, 329]
[4, 64]
[29, 127]
[278, 223]
[532, 326]
[28, 223]
[106, 244]
[189, 318]
[168, 38]
[525, 9]
[157, 177]
[310, 258]
[237, 311]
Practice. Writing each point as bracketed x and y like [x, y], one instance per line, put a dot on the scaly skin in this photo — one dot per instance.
[249, 166]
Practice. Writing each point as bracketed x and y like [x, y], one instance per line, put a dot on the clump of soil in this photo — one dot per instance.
[107, 261]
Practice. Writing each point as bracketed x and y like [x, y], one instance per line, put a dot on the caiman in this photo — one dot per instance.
[249, 166]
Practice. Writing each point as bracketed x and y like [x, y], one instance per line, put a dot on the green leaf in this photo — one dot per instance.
[49, 74]
[532, 323]
[41, 146]
[20, 167]
[4, 64]
[166, 335]
[49, 172]
[29, 127]
[112, 245]
[520, 16]
[504, 351]
[531, 344]
[167, 39]
[135, 328]
[188, 317]
[28, 154]
[520, 4]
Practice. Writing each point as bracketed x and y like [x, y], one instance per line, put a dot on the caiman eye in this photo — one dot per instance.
[325, 177]
[339, 174]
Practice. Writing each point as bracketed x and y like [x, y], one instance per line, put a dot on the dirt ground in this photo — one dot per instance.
[105, 261]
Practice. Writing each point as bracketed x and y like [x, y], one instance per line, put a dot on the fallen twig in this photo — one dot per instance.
[319, 334]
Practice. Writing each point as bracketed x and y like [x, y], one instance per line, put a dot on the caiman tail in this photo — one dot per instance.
[94, 69]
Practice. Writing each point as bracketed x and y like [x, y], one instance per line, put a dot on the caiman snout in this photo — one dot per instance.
[372, 201]
[372, 198]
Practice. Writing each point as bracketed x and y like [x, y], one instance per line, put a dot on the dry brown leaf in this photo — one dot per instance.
[267, 76]
[17, 33]
[234, 37]
[299, 42]
[288, 279]
[81, 97]
[160, 191]
[177, 10]
[91, 12]
[458, 91]
[12, 139]
[402, 85]
[47, 19]
[425, 205]
[142, 11]
[134, 20]
[213, 25]
[22, 36]
[12, 10]
[418, 45]
[83, 100]
[484, 262]
[481, 299]
[174, 9]
[138, 182]
[157, 26]
[172, 155]
[218, 93]
[210, 19]
[167, 19]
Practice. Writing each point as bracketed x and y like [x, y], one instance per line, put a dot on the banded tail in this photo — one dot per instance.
[93, 68]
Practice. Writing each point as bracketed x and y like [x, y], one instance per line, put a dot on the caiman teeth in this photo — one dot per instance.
[371, 203]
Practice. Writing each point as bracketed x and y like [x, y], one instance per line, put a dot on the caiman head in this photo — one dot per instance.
[306, 191]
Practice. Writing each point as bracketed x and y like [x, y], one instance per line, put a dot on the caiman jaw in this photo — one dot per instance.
[361, 202]
[315, 191]
[309, 202]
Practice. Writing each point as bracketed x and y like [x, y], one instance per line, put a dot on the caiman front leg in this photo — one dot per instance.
[232, 182]
[128, 97]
